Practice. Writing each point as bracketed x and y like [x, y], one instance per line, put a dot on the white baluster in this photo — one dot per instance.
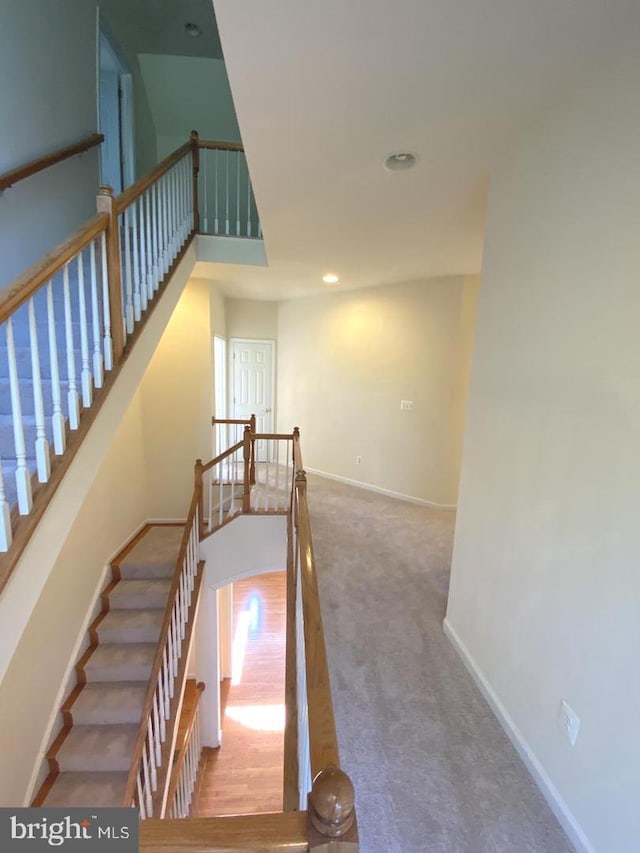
[205, 193]
[98, 364]
[185, 197]
[43, 462]
[216, 220]
[248, 198]
[106, 308]
[226, 217]
[141, 799]
[162, 186]
[85, 370]
[237, 193]
[174, 212]
[144, 293]
[137, 303]
[147, 781]
[165, 678]
[23, 476]
[150, 258]
[156, 728]
[6, 535]
[277, 473]
[73, 398]
[57, 418]
[152, 756]
[126, 248]
[220, 493]
[155, 230]
[177, 643]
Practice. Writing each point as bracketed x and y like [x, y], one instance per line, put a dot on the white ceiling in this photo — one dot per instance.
[324, 91]
[157, 26]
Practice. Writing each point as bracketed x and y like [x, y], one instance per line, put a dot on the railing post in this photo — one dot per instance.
[199, 486]
[114, 272]
[252, 427]
[195, 156]
[300, 488]
[246, 473]
[332, 812]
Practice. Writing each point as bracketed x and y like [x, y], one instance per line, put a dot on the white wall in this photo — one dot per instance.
[346, 360]
[251, 318]
[188, 93]
[177, 401]
[115, 505]
[545, 589]
[47, 101]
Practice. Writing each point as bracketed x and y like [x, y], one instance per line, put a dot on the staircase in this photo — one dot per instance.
[90, 759]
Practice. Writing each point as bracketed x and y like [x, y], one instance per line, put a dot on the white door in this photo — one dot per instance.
[252, 389]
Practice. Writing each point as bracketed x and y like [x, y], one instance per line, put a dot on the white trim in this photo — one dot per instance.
[371, 488]
[551, 794]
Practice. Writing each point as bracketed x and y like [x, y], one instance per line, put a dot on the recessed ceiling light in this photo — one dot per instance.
[192, 30]
[330, 278]
[400, 160]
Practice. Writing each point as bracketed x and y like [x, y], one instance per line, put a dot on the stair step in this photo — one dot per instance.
[97, 790]
[98, 748]
[150, 593]
[131, 626]
[103, 703]
[120, 662]
[155, 556]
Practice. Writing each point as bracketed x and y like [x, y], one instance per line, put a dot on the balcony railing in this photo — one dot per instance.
[68, 322]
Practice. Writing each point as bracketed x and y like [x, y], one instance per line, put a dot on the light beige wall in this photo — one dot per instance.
[346, 360]
[218, 312]
[177, 403]
[251, 318]
[545, 589]
[115, 505]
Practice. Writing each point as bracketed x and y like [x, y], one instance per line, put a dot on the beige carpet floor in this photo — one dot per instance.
[433, 770]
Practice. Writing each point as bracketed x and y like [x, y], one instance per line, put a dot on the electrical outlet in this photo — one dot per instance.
[406, 405]
[358, 460]
[569, 722]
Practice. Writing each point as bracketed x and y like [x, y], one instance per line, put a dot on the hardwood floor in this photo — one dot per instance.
[244, 776]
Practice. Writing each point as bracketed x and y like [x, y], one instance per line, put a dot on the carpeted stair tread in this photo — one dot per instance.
[98, 748]
[105, 703]
[97, 790]
[131, 626]
[155, 555]
[148, 593]
[120, 662]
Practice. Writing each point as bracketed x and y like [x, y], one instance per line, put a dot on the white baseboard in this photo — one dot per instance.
[370, 488]
[551, 794]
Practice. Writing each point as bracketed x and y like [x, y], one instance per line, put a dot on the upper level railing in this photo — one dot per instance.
[67, 323]
[12, 177]
[318, 797]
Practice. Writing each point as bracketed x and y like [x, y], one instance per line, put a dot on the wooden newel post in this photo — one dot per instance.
[332, 815]
[195, 156]
[252, 427]
[105, 204]
[199, 486]
[246, 454]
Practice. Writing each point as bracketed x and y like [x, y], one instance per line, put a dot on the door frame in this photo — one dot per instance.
[230, 378]
[106, 41]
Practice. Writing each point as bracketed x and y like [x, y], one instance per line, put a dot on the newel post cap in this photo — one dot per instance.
[332, 802]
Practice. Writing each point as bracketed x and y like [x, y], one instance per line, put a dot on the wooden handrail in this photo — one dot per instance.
[133, 192]
[323, 741]
[181, 748]
[228, 452]
[147, 708]
[213, 145]
[237, 421]
[9, 179]
[23, 287]
[262, 833]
